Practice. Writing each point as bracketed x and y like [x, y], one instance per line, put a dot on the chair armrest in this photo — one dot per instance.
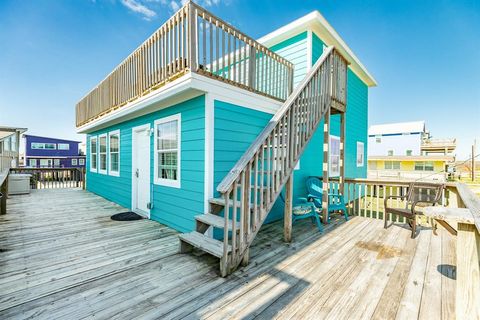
[312, 196]
[302, 200]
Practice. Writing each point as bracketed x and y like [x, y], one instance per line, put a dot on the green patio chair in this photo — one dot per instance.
[304, 209]
[336, 202]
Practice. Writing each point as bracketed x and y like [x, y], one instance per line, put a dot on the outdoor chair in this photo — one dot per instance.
[336, 202]
[419, 194]
[303, 209]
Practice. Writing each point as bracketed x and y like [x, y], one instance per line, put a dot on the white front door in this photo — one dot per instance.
[141, 170]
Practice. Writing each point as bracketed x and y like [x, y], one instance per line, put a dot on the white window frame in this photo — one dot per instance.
[74, 162]
[65, 146]
[104, 135]
[168, 182]
[81, 162]
[110, 171]
[360, 146]
[32, 163]
[94, 169]
[331, 172]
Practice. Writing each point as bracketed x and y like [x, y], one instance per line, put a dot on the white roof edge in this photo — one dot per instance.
[327, 34]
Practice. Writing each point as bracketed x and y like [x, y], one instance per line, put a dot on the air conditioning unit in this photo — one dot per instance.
[19, 183]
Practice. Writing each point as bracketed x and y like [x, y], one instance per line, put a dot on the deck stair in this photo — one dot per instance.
[250, 189]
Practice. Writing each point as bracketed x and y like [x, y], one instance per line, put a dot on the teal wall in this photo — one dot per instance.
[172, 206]
[294, 50]
[235, 129]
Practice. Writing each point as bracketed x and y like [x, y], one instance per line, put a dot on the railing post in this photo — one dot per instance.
[192, 37]
[287, 215]
[341, 180]
[4, 192]
[251, 66]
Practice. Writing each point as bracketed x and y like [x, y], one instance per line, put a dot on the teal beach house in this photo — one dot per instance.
[203, 128]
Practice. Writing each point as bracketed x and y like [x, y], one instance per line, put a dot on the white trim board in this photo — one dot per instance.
[184, 88]
[209, 149]
[318, 24]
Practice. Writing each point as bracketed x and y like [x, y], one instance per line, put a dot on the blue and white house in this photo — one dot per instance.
[200, 114]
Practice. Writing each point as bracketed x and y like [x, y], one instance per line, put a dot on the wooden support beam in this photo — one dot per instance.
[341, 181]
[468, 272]
[3, 191]
[326, 164]
[287, 215]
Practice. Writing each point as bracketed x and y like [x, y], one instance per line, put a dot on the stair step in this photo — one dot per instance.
[205, 243]
[221, 202]
[215, 221]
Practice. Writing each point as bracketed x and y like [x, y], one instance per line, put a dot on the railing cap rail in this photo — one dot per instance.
[471, 201]
[234, 173]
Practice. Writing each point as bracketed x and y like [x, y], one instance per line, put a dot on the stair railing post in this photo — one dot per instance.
[287, 215]
[251, 66]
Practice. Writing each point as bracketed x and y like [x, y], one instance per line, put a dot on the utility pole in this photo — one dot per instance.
[473, 158]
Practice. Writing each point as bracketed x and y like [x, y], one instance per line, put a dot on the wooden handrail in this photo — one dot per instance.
[234, 173]
[192, 40]
[471, 202]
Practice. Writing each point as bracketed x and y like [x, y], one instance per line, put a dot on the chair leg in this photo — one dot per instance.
[345, 214]
[385, 220]
[319, 223]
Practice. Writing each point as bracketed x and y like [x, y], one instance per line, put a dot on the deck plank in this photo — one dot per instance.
[64, 258]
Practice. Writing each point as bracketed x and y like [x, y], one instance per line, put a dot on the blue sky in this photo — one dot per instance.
[425, 55]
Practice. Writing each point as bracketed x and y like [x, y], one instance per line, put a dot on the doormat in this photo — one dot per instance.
[126, 216]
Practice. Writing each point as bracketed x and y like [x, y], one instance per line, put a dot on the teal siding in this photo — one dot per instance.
[175, 207]
[294, 49]
[235, 129]
[317, 47]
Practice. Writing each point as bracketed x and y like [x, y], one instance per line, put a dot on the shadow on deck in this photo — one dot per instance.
[62, 257]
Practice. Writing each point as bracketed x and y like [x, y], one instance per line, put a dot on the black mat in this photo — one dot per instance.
[126, 216]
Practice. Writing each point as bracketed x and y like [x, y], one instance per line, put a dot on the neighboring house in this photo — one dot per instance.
[162, 143]
[407, 151]
[9, 146]
[43, 152]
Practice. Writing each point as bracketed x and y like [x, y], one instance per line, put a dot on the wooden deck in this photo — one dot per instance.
[62, 257]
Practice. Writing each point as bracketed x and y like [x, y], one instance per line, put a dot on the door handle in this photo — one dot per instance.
[137, 173]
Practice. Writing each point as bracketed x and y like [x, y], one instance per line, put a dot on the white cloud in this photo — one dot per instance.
[174, 5]
[137, 7]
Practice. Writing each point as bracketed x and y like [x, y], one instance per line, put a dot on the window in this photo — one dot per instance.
[409, 152]
[63, 146]
[114, 153]
[81, 162]
[334, 156]
[360, 154]
[46, 146]
[424, 166]
[167, 151]
[74, 162]
[32, 163]
[390, 152]
[392, 165]
[93, 154]
[56, 163]
[372, 165]
[102, 153]
[45, 163]
[13, 143]
[6, 144]
[378, 139]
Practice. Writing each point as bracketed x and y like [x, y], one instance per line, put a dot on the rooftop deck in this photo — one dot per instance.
[61, 256]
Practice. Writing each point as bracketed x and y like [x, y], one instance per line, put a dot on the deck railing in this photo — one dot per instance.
[192, 40]
[54, 178]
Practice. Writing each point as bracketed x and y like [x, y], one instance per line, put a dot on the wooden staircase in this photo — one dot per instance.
[252, 186]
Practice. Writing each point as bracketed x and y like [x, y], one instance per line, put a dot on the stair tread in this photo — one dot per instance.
[205, 243]
[215, 221]
[221, 202]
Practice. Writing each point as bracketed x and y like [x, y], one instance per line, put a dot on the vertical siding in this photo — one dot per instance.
[294, 49]
[175, 207]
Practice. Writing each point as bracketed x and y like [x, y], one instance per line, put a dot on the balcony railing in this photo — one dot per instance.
[192, 40]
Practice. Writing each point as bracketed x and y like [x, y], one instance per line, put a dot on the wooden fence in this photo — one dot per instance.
[54, 178]
[192, 40]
